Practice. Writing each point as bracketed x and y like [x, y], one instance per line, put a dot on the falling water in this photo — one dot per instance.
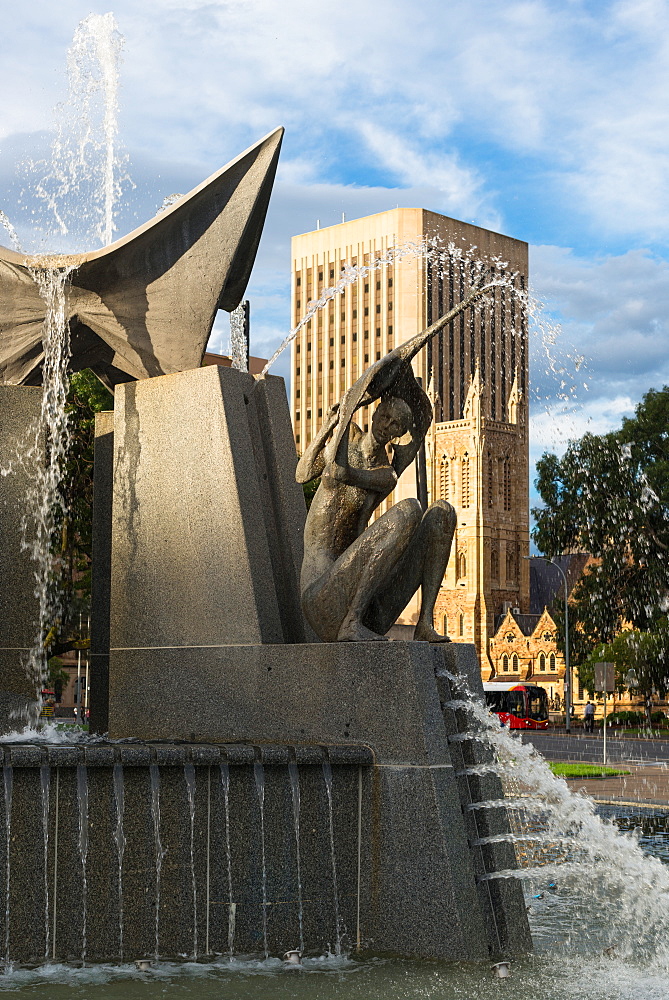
[82, 797]
[259, 773]
[11, 232]
[239, 341]
[45, 783]
[327, 775]
[155, 813]
[189, 774]
[78, 190]
[119, 839]
[232, 906]
[8, 781]
[295, 789]
[593, 864]
[45, 504]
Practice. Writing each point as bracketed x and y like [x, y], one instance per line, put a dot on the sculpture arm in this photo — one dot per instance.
[312, 463]
[410, 390]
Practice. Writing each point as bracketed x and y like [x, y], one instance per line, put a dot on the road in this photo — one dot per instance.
[577, 747]
[647, 762]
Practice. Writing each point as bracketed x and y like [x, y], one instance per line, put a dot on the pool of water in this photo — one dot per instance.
[556, 977]
[571, 960]
[650, 825]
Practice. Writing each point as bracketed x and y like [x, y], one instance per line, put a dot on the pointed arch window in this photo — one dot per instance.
[462, 566]
[552, 662]
[506, 485]
[510, 565]
[505, 664]
[514, 663]
[494, 564]
[443, 478]
[542, 663]
[465, 480]
[491, 483]
[461, 624]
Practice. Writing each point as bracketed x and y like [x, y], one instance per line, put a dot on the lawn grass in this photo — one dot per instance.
[584, 770]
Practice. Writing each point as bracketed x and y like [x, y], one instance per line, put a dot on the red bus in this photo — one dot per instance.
[519, 706]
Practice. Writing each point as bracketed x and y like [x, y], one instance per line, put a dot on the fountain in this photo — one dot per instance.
[259, 792]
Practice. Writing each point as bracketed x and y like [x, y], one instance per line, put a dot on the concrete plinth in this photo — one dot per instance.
[19, 413]
[198, 523]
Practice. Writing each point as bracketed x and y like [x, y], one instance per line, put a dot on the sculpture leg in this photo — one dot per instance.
[336, 603]
[437, 554]
[422, 564]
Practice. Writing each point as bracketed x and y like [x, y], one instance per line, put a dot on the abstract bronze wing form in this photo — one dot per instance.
[145, 305]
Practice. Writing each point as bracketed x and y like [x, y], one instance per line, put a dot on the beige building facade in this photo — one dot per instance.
[524, 650]
[475, 371]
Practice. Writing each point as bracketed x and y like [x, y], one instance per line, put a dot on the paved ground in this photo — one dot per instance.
[578, 746]
[646, 760]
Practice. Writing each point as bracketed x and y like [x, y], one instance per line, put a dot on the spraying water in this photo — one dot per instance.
[79, 190]
[81, 185]
[327, 776]
[569, 855]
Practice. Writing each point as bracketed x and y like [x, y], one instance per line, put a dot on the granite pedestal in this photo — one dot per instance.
[19, 415]
[420, 891]
[206, 643]
[198, 519]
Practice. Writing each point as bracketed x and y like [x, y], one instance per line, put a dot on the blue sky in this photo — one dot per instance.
[548, 121]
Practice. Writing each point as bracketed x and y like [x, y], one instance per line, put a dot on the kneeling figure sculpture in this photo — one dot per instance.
[358, 577]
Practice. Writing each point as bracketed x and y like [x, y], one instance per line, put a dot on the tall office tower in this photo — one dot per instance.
[475, 372]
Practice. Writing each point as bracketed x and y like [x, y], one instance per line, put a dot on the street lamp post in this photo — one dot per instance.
[567, 681]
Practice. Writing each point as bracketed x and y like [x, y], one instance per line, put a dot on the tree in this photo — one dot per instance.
[609, 496]
[72, 541]
[647, 653]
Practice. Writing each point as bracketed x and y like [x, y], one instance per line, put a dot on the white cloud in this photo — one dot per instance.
[456, 106]
[613, 308]
[552, 428]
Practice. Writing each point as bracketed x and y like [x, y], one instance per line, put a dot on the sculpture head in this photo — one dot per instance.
[391, 420]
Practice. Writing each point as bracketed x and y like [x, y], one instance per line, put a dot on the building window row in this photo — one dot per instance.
[512, 664]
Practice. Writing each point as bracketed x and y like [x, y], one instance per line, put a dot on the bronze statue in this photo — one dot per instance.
[358, 577]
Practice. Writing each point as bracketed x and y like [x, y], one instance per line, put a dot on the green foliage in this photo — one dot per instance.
[647, 653]
[635, 718]
[72, 546]
[584, 770]
[609, 496]
[57, 677]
